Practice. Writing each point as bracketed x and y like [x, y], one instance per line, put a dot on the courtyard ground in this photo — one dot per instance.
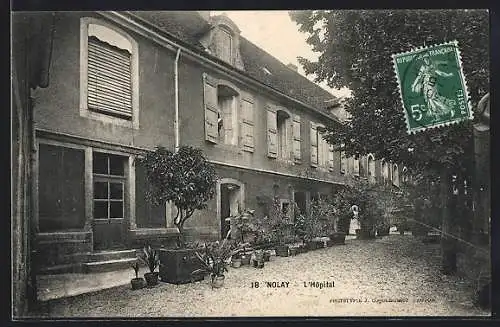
[392, 276]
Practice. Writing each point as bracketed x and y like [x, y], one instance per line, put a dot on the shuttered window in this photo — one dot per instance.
[272, 139]
[331, 156]
[297, 155]
[109, 78]
[211, 110]
[247, 112]
[343, 161]
[314, 144]
[356, 168]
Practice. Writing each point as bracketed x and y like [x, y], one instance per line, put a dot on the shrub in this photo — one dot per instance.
[184, 178]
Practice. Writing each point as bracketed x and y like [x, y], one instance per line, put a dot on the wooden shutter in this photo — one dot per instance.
[343, 161]
[330, 157]
[314, 144]
[247, 110]
[356, 166]
[109, 78]
[211, 110]
[272, 137]
[297, 155]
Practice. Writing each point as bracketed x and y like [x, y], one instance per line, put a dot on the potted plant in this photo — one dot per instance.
[137, 282]
[236, 260]
[279, 224]
[299, 226]
[214, 259]
[244, 226]
[258, 259]
[186, 179]
[267, 255]
[151, 259]
[312, 228]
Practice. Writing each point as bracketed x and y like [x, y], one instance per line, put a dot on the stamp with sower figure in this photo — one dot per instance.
[432, 86]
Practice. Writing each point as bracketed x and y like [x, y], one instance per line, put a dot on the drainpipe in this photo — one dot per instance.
[176, 86]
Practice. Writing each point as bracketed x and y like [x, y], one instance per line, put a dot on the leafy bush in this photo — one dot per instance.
[299, 224]
[324, 215]
[184, 177]
[276, 226]
[363, 194]
[244, 224]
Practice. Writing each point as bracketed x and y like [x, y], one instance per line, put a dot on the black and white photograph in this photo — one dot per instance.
[250, 163]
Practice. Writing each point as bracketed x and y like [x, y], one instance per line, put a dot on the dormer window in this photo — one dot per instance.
[223, 40]
[226, 46]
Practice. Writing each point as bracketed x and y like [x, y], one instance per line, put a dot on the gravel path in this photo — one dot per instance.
[393, 276]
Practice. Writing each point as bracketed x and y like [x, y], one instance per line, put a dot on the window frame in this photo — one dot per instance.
[108, 178]
[229, 34]
[283, 133]
[84, 49]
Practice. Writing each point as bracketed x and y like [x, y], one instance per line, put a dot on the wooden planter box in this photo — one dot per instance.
[314, 245]
[383, 231]
[337, 238]
[177, 265]
[365, 234]
[282, 251]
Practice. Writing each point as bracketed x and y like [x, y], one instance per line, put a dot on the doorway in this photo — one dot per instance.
[229, 205]
[109, 189]
[230, 200]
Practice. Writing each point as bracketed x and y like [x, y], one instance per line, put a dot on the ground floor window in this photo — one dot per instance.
[61, 188]
[109, 185]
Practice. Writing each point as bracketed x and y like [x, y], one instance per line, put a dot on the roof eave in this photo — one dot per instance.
[190, 49]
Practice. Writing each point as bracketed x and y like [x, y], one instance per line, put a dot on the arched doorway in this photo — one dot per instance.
[230, 200]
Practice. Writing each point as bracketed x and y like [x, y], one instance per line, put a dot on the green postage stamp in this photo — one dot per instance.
[432, 86]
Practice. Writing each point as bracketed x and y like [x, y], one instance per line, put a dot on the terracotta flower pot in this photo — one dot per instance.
[138, 283]
[245, 260]
[151, 278]
[236, 262]
[218, 281]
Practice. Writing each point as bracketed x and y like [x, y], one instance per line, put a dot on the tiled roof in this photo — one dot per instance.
[188, 26]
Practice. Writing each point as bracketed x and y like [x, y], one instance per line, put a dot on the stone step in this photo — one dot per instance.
[62, 236]
[54, 253]
[109, 265]
[111, 255]
[71, 268]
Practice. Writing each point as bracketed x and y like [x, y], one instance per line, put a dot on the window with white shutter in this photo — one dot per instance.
[272, 139]
[109, 73]
[211, 110]
[247, 111]
[314, 144]
[297, 155]
[331, 157]
[109, 78]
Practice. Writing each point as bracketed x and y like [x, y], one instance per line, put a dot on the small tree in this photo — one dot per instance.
[184, 178]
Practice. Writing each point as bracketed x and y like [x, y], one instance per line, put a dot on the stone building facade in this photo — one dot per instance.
[123, 83]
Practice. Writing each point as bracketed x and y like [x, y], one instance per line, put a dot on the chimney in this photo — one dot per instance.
[205, 14]
[292, 67]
